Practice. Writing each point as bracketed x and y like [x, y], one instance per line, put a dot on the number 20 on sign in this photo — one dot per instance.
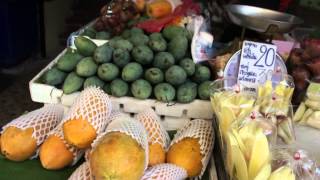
[257, 62]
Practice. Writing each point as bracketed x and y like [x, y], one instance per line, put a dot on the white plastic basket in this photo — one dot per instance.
[173, 116]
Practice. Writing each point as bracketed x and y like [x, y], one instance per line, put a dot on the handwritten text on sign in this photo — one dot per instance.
[256, 62]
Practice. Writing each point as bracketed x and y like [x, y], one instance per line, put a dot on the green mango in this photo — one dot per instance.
[164, 92]
[204, 91]
[68, 61]
[173, 31]
[202, 73]
[123, 44]
[103, 53]
[154, 75]
[107, 88]
[72, 83]
[188, 65]
[141, 89]
[163, 60]
[85, 46]
[175, 75]
[90, 32]
[187, 92]
[53, 77]
[93, 81]
[86, 67]
[178, 47]
[121, 57]
[139, 39]
[132, 72]
[108, 71]
[158, 45]
[103, 35]
[142, 54]
[119, 88]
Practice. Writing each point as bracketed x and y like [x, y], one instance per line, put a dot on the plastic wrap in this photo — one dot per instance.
[274, 102]
[248, 147]
[302, 165]
[250, 123]
[229, 102]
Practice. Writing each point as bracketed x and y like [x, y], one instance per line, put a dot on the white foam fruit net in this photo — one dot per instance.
[42, 121]
[202, 130]
[130, 127]
[165, 172]
[92, 105]
[83, 172]
[156, 132]
[77, 153]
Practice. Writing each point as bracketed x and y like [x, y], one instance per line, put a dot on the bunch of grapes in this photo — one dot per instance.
[115, 15]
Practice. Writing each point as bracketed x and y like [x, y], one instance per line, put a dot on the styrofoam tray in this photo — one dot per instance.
[176, 114]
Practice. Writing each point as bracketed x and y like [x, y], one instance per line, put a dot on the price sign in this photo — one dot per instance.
[257, 62]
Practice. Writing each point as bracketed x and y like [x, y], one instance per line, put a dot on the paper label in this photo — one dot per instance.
[257, 63]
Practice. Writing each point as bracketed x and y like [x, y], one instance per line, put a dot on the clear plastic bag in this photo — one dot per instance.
[229, 103]
[274, 102]
[248, 147]
[299, 161]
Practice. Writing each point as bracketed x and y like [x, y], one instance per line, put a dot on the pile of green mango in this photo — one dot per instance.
[137, 64]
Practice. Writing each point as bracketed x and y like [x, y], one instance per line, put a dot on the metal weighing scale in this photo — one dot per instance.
[263, 21]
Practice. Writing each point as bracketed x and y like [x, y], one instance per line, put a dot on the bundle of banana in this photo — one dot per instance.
[309, 110]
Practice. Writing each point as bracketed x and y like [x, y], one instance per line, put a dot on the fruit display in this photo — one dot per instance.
[21, 137]
[303, 65]
[308, 111]
[145, 66]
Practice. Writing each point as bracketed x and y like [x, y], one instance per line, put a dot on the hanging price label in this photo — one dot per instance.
[257, 62]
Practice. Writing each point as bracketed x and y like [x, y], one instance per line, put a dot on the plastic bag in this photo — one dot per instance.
[248, 147]
[229, 102]
[202, 48]
[274, 102]
[299, 161]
